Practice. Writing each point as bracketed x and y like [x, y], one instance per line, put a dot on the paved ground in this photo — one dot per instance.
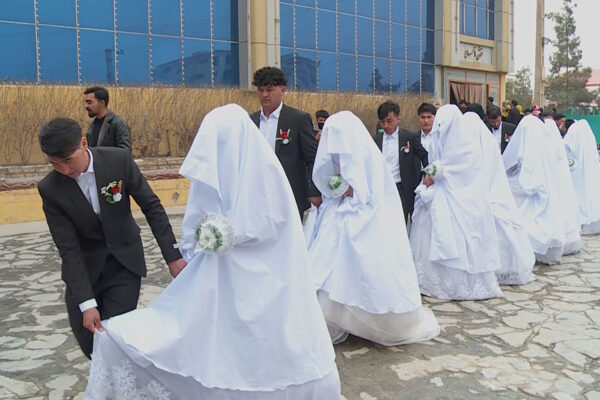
[541, 341]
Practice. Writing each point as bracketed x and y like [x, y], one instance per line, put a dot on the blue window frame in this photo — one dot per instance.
[97, 56]
[225, 63]
[17, 39]
[365, 45]
[477, 18]
[17, 11]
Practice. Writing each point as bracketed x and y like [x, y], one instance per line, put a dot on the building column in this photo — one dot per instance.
[258, 37]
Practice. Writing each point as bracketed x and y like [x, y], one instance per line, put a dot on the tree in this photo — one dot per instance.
[519, 87]
[566, 84]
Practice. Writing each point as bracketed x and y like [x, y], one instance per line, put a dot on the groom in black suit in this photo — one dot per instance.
[501, 130]
[86, 199]
[290, 134]
[403, 152]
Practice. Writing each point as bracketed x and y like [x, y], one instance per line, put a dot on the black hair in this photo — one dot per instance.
[546, 114]
[514, 103]
[493, 112]
[558, 116]
[387, 107]
[60, 137]
[99, 93]
[477, 109]
[426, 108]
[527, 110]
[568, 123]
[322, 114]
[269, 76]
[490, 99]
[462, 101]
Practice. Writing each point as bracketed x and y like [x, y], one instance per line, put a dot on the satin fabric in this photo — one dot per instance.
[244, 324]
[516, 254]
[582, 149]
[453, 223]
[358, 246]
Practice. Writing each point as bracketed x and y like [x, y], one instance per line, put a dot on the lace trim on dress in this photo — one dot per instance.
[119, 382]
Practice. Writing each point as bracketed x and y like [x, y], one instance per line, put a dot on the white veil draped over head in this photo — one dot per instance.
[246, 320]
[516, 263]
[581, 146]
[463, 225]
[361, 239]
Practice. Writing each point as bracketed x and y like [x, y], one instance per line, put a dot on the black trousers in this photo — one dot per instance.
[116, 292]
[407, 207]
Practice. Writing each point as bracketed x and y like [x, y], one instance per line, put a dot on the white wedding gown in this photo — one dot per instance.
[453, 235]
[242, 325]
[358, 247]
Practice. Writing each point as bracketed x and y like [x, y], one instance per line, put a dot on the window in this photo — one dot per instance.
[96, 14]
[166, 60]
[363, 45]
[165, 17]
[197, 62]
[17, 11]
[56, 12]
[17, 39]
[97, 56]
[196, 21]
[58, 54]
[132, 16]
[477, 18]
[133, 59]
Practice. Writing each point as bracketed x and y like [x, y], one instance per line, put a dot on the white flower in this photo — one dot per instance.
[337, 186]
[117, 197]
[214, 234]
[435, 170]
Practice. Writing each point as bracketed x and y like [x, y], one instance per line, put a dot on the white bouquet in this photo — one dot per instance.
[336, 186]
[214, 234]
[435, 170]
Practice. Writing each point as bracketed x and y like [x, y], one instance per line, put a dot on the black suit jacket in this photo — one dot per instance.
[411, 163]
[84, 240]
[298, 156]
[507, 130]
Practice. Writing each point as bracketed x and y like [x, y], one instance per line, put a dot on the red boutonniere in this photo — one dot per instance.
[507, 137]
[406, 147]
[284, 136]
[112, 192]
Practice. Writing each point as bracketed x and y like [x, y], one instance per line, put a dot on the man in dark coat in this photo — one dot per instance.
[403, 153]
[290, 134]
[107, 128]
[501, 130]
[86, 199]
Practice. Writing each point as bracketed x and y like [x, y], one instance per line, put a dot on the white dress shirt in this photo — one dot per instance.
[426, 140]
[268, 125]
[391, 153]
[498, 134]
[87, 183]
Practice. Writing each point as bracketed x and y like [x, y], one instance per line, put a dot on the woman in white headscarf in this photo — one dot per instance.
[562, 178]
[516, 254]
[584, 163]
[453, 236]
[529, 169]
[358, 250]
[241, 321]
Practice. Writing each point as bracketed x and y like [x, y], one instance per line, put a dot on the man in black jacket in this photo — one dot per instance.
[86, 199]
[107, 128]
[501, 130]
[290, 134]
[403, 153]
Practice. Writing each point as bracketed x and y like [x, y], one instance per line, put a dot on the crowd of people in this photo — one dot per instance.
[466, 204]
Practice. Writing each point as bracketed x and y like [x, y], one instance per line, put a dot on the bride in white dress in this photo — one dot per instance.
[516, 254]
[453, 236]
[584, 161]
[358, 247]
[241, 321]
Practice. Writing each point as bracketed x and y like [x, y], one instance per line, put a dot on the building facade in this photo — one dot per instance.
[453, 48]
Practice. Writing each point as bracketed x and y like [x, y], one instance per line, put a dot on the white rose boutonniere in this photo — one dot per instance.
[337, 186]
[435, 170]
[112, 192]
[214, 234]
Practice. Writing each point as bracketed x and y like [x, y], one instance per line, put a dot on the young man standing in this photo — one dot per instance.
[426, 113]
[86, 199]
[403, 153]
[107, 128]
[290, 134]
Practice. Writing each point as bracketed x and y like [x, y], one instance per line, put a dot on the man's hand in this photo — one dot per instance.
[427, 180]
[91, 320]
[176, 266]
[349, 192]
[315, 200]
[318, 135]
